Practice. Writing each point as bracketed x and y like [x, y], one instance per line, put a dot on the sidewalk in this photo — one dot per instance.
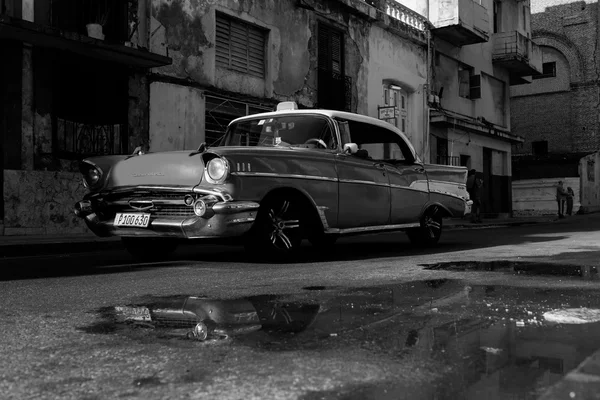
[14, 246]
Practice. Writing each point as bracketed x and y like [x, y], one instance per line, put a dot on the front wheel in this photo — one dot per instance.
[278, 228]
[150, 249]
[430, 231]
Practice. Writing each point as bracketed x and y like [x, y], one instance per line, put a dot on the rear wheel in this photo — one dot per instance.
[430, 231]
[278, 229]
[150, 249]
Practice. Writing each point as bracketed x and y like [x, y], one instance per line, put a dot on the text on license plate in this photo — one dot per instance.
[136, 220]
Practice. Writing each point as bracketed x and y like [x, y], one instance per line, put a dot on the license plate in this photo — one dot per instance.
[135, 220]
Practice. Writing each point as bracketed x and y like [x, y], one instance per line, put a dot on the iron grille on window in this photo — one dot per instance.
[240, 46]
[82, 139]
[221, 111]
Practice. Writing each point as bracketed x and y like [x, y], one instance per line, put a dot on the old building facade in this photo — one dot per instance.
[170, 74]
[72, 84]
[481, 50]
[558, 113]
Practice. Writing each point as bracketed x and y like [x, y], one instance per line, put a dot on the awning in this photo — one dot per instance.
[44, 36]
[446, 120]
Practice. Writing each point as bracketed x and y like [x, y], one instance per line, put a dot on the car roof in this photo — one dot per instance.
[330, 114]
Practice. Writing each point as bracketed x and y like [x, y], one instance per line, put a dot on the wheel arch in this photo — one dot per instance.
[298, 193]
[445, 212]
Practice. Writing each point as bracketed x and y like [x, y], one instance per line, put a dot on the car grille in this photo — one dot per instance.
[176, 208]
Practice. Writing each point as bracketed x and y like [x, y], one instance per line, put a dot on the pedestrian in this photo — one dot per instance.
[561, 197]
[570, 197]
[474, 185]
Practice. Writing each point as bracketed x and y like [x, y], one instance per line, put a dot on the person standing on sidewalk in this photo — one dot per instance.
[570, 197]
[561, 198]
[474, 189]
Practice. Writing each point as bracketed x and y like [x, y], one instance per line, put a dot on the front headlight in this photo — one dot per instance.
[93, 176]
[216, 169]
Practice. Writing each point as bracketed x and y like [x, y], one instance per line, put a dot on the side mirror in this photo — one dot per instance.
[350, 148]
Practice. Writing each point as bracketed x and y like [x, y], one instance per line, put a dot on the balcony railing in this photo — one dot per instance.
[401, 13]
[334, 90]
[517, 53]
[84, 139]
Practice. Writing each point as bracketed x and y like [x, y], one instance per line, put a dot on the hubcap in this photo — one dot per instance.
[432, 224]
[281, 226]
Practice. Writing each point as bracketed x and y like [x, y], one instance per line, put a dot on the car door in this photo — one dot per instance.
[364, 192]
[409, 188]
[409, 191]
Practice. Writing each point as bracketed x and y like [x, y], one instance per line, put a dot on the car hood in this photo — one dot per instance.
[176, 168]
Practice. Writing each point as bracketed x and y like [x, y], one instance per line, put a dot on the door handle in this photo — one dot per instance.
[379, 165]
[419, 169]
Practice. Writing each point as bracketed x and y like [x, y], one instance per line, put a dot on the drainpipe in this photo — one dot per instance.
[426, 90]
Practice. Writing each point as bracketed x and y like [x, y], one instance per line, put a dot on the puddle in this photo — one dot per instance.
[482, 339]
[520, 267]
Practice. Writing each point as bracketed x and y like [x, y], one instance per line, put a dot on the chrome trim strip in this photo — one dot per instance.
[374, 228]
[241, 221]
[448, 194]
[155, 201]
[407, 188]
[124, 189]
[235, 207]
[361, 182]
[292, 176]
[459, 185]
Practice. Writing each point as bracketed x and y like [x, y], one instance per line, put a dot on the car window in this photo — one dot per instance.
[378, 143]
[305, 131]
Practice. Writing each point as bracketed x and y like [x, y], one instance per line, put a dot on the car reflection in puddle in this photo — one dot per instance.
[484, 339]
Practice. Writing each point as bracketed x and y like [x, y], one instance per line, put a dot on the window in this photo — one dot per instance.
[240, 46]
[394, 95]
[304, 131]
[548, 71]
[334, 89]
[379, 144]
[331, 54]
[469, 85]
[221, 111]
[464, 74]
[539, 148]
[465, 160]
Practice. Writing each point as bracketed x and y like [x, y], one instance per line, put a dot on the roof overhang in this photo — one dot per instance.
[471, 125]
[44, 36]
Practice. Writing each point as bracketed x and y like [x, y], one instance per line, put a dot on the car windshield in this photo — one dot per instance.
[306, 131]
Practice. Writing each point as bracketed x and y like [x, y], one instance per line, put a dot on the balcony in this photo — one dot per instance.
[460, 22]
[517, 53]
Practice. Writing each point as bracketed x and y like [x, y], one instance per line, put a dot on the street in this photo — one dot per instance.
[481, 315]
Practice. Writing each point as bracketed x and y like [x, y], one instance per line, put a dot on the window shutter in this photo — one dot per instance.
[240, 46]
[323, 48]
[475, 87]
[336, 52]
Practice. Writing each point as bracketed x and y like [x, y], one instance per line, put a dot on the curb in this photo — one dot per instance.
[53, 248]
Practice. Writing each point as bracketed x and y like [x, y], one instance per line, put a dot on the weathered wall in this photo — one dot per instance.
[538, 196]
[390, 58]
[40, 202]
[589, 175]
[176, 117]
[562, 110]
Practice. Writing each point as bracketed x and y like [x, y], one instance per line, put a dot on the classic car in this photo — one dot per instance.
[273, 180]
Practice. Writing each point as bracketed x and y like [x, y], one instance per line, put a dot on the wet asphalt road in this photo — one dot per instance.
[374, 319]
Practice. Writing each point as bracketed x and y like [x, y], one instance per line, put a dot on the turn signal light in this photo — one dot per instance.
[199, 208]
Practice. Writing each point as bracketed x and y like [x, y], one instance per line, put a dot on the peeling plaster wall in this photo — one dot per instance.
[41, 202]
[389, 57]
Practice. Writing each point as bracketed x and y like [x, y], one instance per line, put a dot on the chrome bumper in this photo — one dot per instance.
[223, 219]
